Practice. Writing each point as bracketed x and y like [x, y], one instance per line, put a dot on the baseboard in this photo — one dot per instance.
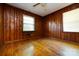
[6, 42]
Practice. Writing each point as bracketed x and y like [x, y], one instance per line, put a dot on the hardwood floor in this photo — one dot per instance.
[40, 47]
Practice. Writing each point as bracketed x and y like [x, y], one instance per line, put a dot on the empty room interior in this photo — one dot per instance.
[39, 29]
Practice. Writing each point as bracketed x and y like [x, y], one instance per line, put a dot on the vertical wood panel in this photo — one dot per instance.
[1, 23]
[12, 24]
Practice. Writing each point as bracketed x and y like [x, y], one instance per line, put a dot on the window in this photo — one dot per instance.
[71, 21]
[28, 23]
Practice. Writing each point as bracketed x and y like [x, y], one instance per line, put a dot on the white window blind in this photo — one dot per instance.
[71, 21]
[28, 23]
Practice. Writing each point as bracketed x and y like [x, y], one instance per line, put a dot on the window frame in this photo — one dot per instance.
[64, 21]
[34, 24]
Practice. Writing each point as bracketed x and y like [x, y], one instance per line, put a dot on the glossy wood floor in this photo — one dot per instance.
[40, 47]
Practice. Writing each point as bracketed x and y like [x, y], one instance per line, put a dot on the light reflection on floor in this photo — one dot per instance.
[68, 51]
[29, 50]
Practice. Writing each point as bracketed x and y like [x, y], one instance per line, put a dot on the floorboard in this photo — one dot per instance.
[40, 47]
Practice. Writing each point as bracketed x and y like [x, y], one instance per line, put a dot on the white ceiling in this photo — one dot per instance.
[50, 8]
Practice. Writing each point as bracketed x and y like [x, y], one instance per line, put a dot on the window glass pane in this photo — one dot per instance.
[28, 19]
[28, 27]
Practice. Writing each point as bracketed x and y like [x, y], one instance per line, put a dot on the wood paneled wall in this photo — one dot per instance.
[38, 27]
[13, 24]
[53, 25]
[1, 23]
